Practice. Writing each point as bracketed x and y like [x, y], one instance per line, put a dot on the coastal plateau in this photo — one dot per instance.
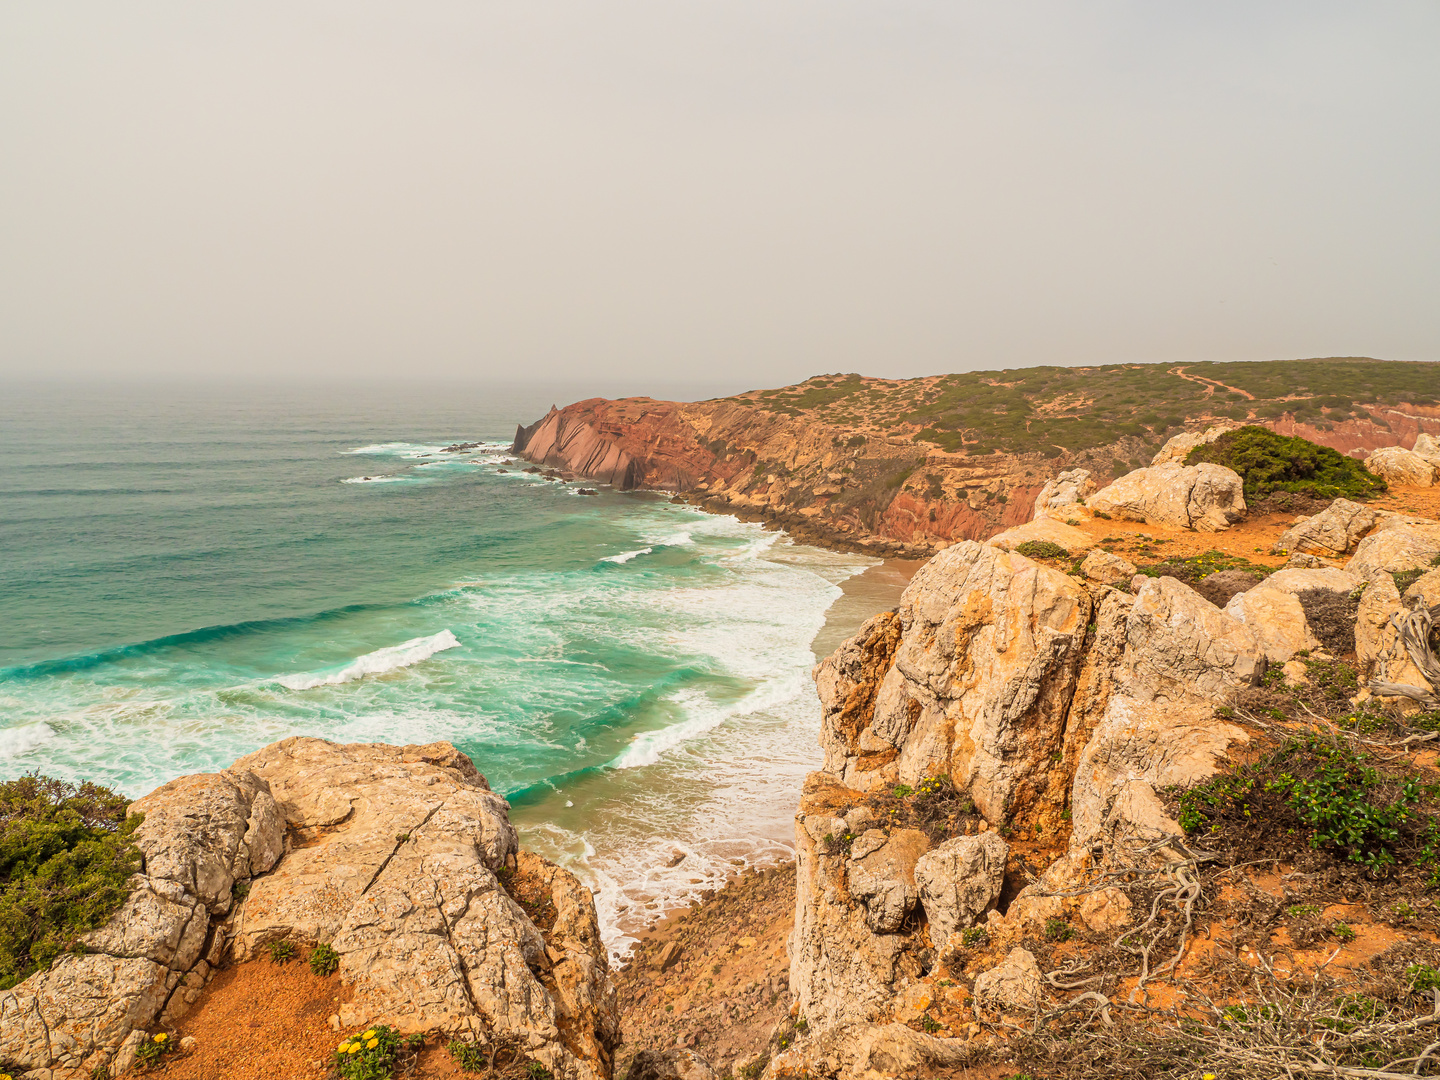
[904, 466]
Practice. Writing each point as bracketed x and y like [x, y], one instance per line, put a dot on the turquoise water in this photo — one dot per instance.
[190, 574]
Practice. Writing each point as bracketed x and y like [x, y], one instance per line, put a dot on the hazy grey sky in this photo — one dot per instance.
[748, 190]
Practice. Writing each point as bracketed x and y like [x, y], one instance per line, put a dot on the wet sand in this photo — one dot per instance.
[877, 589]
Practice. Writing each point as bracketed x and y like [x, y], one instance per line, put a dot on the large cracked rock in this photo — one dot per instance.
[390, 854]
[1207, 498]
[1063, 493]
[882, 875]
[1395, 546]
[1333, 532]
[1180, 646]
[985, 673]
[1395, 465]
[974, 680]
[960, 881]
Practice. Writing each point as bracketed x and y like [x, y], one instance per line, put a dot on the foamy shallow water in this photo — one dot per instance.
[633, 674]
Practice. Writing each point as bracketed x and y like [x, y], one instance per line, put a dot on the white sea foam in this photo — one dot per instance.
[19, 741]
[701, 716]
[378, 662]
[374, 479]
[626, 556]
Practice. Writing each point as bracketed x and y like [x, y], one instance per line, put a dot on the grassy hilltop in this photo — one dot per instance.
[1077, 409]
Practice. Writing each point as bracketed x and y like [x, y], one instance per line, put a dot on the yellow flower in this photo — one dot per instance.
[369, 1034]
[372, 1044]
[1210, 1076]
[354, 1048]
[161, 1037]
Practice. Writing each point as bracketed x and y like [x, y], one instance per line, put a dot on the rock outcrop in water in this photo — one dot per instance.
[394, 856]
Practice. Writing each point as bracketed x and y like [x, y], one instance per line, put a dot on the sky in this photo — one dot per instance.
[744, 192]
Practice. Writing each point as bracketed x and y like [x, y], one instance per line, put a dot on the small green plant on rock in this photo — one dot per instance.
[1058, 930]
[324, 960]
[281, 951]
[153, 1050]
[974, 935]
[1041, 549]
[1344, 932]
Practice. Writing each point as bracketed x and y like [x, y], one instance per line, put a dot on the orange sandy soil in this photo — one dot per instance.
[1250, 539]
[266, 1021]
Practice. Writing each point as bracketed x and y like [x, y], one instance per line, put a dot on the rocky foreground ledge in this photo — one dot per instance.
[391, 855]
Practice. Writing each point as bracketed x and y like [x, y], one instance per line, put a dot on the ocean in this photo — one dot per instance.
[189, 573]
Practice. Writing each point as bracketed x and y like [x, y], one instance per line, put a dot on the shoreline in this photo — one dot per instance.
[875, 589]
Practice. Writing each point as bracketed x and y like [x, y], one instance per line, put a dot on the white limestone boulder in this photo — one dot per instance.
[1207, 498]
[960, 880]
[1045, 529]
[1393, 547]
[1403, 467]
[1013, 986]
[1063, 493]
[1333, 532]
[1107, 568]
[1177, 448]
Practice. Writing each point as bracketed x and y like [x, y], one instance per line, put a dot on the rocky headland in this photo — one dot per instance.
[903, 467]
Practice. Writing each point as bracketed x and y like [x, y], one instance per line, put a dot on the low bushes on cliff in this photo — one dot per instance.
[1268, 462]
[65, 864]
[1319, 791]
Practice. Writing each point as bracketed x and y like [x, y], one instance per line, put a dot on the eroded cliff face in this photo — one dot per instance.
[394, 856]
[878, 482]
[822, 482]
[1056, 707]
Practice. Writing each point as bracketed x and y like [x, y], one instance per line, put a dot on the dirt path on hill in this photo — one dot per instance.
[1211, 384]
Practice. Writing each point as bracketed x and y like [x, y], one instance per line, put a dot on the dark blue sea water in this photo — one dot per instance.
[189, 573]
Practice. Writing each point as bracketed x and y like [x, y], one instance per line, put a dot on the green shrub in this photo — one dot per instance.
[65, 866]
[1041, 549]
[324, 960]
[281, 951]
[1269, 462]
[1329, 792]
[471, 1057]
[1422, 979]
[1058, 930]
